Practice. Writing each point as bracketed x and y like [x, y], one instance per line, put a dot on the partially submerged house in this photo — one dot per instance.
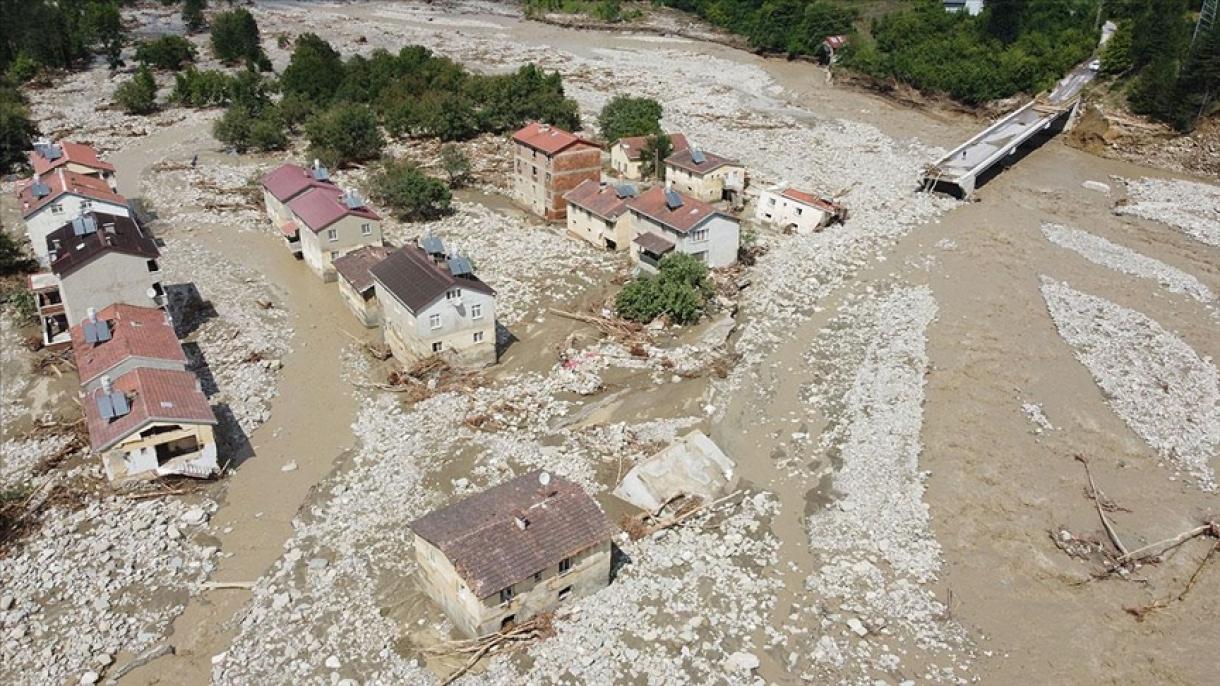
[121, 338]
[48, 201]
[356, 283]
[513, 551]
[627, 155]
[597, 213]
[433, 304]
[705, 176]
[547, 163]
[98, 260]
[284, 183]
[151, 422]
[331, 223]
[792, 209]
[665, 221]
[77, 158]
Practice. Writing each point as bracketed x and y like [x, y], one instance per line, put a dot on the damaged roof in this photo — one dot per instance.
[411, 276]
[47, 156]
[354, 266]
[809, 199]
[155, 395]
[491, 551]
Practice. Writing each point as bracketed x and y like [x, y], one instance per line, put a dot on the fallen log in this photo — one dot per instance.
[1111, 532]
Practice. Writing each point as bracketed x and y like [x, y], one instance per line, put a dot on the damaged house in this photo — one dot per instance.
[433, 304]
[796, 210]
[513, 551]
[49, 201]
[548, 162]
[120, 338]
[356, 283]
[151, 422]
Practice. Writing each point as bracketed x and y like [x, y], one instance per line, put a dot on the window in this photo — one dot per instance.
[366, 229]
[86, 204]
[434, 321]
[771, 202]
[537, 577]
[699, 235]
[453, 294]
[476, 311]
[565, 592]
[478, 336]
[799, 211]
[437, 347]
[506, 594]
[57, 209]
[153, 266]
[565, 565]
[332, 235]
[548, 177]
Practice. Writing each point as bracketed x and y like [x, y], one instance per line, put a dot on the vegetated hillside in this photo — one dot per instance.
[1166, 69]
[1014, 46]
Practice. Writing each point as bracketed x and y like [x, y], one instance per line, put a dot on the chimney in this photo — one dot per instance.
[316, 163]
[543, 128]
[521, 522]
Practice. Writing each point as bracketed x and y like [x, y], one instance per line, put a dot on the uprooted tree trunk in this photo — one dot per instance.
[536, 627]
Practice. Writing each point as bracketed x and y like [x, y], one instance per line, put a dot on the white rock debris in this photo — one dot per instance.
[1154, 381]
[1192, 208]
[874, 542]
[303, 612]
[95, 581]
[21, 454]
[1033, 412]
[1123, 259]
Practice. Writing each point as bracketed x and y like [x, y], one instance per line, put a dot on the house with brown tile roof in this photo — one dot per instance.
[665, 221]
[432, 304]
[151, 422]
[356, 283]
[626, 155]
[513, 551]
[120, 338]
[101, 259]
[597, 213]
[74, 157]
[547, 163]
[705, 176]
[48, 201]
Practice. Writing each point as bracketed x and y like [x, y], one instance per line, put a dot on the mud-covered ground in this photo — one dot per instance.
[904, 396]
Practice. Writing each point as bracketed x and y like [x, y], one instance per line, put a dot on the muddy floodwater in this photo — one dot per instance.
[905, 413]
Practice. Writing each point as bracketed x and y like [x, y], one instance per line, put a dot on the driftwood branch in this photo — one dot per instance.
[1164, 546]
[1101, 512]
[535, 627]
[226, 585]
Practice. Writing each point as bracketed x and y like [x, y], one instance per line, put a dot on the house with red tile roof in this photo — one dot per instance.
[320, 221]
[432, 304]
[50, 200]
[513, 551]
[597, 213]
[626, 155]
[547, 163]
[705, 176]
[665, 221]
[151, 422]
[77, 158]
[120, 338]
[796, 210]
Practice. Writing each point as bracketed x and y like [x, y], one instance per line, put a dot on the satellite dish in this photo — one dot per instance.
[544, 478]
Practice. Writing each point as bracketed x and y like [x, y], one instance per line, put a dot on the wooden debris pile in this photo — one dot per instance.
[428, 377]
[677, 510]
[537, 627]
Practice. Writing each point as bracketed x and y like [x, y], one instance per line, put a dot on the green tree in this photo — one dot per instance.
[652, 155]
[235, 37]
[104, 28]
[627, 116]
[23, 68]
[1116, 55]
[244, 128]
[138, 95]
[455, 163]
[315, 71]
[413, 195]
[192, 15]
[680, 290]
[344, 133]
[167, 52]
[195, 88]
[17, 130]
[12, 259]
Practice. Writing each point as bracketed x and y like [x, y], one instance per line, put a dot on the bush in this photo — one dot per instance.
[17, 130]
[23, 68]
[194, 88]
[244, 128]
[138, 95]
[626, 116]
[235, 38]
[192, 15]
[679, 290]
[413, 195]
[344, 133]
[167, 52]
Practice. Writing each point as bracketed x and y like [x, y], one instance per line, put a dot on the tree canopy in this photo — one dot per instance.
[412, 194]
[235, 38]
[627, 116]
